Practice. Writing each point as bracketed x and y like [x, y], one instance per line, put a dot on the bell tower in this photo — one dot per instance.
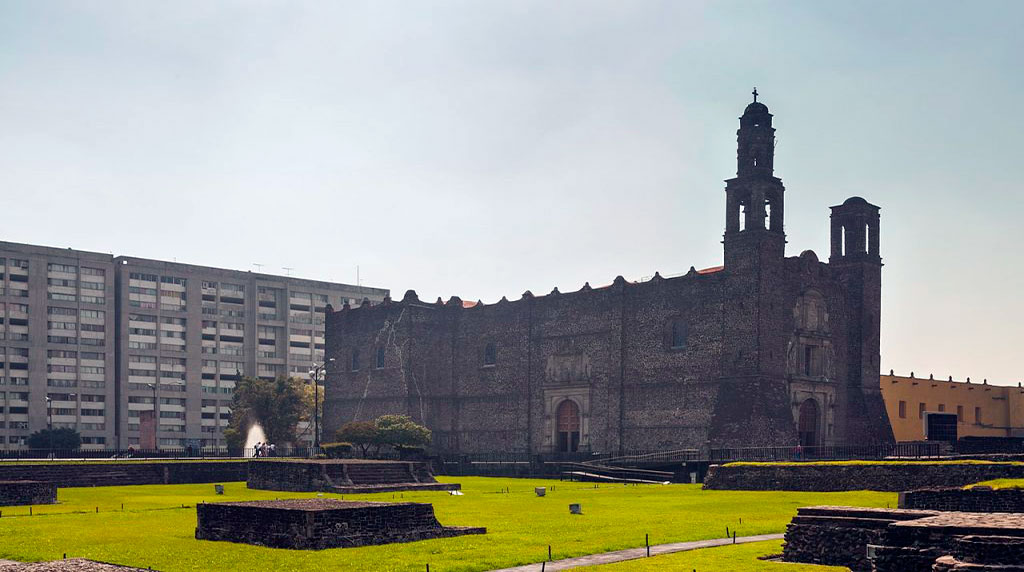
[856, 262]
[754, 198]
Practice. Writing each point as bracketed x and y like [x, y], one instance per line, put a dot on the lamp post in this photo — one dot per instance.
[315, 374]
[49, 422]
[156, 411]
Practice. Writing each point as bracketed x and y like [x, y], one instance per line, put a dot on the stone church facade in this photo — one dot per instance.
[766, 350]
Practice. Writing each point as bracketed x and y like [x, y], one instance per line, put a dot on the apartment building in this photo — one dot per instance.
[97, 343]
[56, 343]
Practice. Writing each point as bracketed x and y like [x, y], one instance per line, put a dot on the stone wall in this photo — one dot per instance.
[321, 523]
[975, 499]
[893, 477]
[119, 473]
[839, 536]
[984, 554]
[342, 476]
[14, 493]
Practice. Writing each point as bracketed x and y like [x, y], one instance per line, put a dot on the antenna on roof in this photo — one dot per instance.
[259, 267]
[287, 270]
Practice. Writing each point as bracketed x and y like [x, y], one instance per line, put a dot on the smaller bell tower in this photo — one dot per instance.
[855, 260]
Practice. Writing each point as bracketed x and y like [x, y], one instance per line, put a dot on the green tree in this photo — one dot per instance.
[401, 431]
[62, 438]
[277, 406]
[362, 434]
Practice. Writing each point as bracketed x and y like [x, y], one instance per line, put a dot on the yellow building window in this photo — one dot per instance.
[920, 410]
[977, 415]
[903, 409]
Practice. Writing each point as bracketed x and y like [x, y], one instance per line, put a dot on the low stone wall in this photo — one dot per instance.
[839, 536]
[16, 493]
[900, 540]
[345, 476]
[975, 499]
[984, 554]
[117, 473]
[893, 477]
[321, 523]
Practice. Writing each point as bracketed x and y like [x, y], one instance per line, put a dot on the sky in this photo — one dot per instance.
[482, 149]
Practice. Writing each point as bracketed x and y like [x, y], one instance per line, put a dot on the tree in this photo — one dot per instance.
[401, 431]
[277, 406]
[362, 434]
[63, 438]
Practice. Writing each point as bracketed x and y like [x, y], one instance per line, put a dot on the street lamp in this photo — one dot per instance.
[315, 375]
[49, 422]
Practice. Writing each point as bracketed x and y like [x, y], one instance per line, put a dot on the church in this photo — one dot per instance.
[765, 350]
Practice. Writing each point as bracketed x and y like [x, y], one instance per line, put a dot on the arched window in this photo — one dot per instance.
[678, 334]
[380, 357]
[490, 354]
[355, 360]
[568, 420]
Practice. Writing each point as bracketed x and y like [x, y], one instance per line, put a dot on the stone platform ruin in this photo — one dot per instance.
[16, 493]
[344, 476]
[318, 523]
[901, 540]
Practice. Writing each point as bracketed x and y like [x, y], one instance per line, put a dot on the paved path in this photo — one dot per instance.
[632, 553]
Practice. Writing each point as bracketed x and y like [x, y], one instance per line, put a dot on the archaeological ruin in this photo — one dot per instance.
[318, 523]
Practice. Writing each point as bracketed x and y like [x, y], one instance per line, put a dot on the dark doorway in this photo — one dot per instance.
[808, 424]
[568, 419]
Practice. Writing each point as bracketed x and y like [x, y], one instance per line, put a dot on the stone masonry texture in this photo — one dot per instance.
[348, 476]
[321, 523]
[105, 474]
[14, 493]
[975, 499]
[767, 350]
[894, 477]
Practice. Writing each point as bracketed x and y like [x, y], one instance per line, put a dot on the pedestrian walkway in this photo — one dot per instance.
[633, 553]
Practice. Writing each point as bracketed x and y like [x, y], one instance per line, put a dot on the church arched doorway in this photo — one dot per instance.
[568, 419]
[807, 426]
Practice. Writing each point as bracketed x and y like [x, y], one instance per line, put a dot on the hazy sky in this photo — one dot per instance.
[483, 148]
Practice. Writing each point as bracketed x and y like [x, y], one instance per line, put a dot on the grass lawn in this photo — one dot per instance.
[739, 558]
[155, 531]
[1001, 484]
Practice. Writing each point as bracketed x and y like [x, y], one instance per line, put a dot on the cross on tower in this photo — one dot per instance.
[755, 94]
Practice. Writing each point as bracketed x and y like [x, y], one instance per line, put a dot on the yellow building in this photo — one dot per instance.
[983, 410]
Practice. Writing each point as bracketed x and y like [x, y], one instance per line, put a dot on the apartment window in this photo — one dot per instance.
[98, 314]
[94, 355]
[61, 354]
[920, 410]
[380, 357]
[355, 360]
[86, 285]
[903, 409]
[93, 299]
[143, 277]
[960, 413]
[942, 407]
[172, 280]
[66, 268]
[977, 415]
[93, 271]
[490, 354]
[58, 311]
